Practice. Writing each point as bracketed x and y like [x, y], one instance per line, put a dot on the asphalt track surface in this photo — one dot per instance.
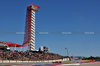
[85, 64]
[73, 64]
[93, 64]
[89, 64]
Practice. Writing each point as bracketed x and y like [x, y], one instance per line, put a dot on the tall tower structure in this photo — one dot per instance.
[29, 36]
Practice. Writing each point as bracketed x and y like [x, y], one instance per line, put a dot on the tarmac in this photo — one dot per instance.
[88, 64]
[77, 63]
[83, 64]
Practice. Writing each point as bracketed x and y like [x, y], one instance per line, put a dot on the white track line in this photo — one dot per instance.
[70, 64]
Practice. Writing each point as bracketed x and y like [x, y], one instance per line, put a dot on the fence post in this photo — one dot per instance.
[9, 59]
[22, 59]
[28, 60]
[16, 59]
[2, 60]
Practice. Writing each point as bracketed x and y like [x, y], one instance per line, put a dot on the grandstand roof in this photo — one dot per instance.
[10, 44]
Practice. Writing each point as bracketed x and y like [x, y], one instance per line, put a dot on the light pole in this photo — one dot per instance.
[67, 52]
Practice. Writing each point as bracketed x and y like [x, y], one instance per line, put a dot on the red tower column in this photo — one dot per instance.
[29, 36]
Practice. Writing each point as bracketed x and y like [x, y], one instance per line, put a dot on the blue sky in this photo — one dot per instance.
[75, 16]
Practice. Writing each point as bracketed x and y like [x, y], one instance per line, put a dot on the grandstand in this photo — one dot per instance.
[3, 46]
[28, 56]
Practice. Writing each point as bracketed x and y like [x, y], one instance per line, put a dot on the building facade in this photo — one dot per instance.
[44, 49]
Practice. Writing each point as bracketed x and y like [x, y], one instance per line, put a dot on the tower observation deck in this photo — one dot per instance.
[29, 36]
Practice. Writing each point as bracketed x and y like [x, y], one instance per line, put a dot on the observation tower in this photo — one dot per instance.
[29, 36]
